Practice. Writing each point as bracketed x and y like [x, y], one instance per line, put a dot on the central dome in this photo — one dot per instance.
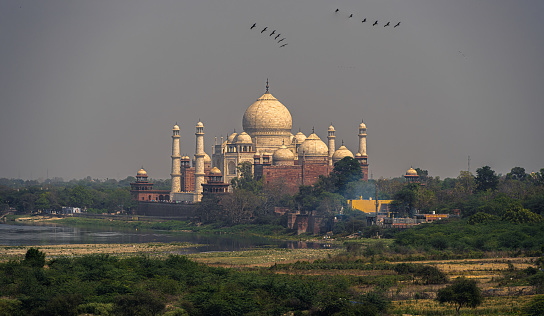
[267, 116]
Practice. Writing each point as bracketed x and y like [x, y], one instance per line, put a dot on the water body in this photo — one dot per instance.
[54, 234]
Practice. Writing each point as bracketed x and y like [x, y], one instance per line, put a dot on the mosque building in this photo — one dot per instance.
[267, 143]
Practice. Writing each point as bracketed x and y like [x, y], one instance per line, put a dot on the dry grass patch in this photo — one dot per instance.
[122, 250]
[261, 257]
[489, 306]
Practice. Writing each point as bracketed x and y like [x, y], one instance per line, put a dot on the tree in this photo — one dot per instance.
[246, 181]
[347, 170]
[405, 199]
[463, 292]
[517, 173]
[35, 258]
[486, 179]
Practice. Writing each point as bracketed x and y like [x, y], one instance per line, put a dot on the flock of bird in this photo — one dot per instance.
[336, 12]
[373, 24]
[270, 35]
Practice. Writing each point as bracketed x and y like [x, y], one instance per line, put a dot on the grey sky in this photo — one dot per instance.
[93, 88]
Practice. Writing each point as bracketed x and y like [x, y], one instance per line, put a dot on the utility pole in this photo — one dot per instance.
[376, 202]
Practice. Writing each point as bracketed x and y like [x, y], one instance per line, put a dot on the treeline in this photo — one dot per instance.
[105, 285]
[517, 196]
[94, 195]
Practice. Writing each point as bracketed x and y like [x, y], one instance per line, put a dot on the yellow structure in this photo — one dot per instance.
[369, 206]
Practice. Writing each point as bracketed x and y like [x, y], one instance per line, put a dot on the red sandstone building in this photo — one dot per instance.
[142, 189]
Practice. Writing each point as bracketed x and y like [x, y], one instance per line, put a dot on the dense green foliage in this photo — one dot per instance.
[535, 307]
[97, 196]
[106, 285]
[458, 236]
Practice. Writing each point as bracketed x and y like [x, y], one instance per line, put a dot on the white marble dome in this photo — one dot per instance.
[231, 137]
[243, 138]
[300, 137]
[340, 153]
[267, 116]
[313, 146]
[283, 154]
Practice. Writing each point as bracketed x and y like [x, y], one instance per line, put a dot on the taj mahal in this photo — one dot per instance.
[267, 143]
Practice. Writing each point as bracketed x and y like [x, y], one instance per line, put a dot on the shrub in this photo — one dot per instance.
[535, 307]
[138, 304]
[35, 258]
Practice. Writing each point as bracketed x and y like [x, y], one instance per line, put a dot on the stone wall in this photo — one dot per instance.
[177, 210]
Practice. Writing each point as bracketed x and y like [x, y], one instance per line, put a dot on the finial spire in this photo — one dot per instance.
[267, 85]
[313, 130]
[342, 142]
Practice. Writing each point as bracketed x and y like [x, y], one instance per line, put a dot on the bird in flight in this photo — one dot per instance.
[386, 24]
[277, 36]
[397, 24]
[364, 20]
[281, 39]
[264, 29]
[375, 23]
[254, 24]
[336, 10]
[284, 45]
[273, 32]
[351, 15]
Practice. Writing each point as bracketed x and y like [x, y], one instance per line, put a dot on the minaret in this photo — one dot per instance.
[175, 173]
[362, 139]
[332, 145]
[199, 155]
[361, 155]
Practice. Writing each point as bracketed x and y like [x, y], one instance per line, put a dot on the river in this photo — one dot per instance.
[54, 234]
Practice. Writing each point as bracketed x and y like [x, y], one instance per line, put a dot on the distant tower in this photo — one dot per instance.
[361, 155]
[332, 145]
[199, 155]
[175, 173]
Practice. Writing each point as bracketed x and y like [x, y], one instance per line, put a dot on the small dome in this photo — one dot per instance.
[358, 155]
[243, 138]
[362, 125]
[185, 158]
[215, 171]
[199, 124]
[283, 154]
[411, 172]
[207, 158]
[142, 173]
[176, 127]
[313, 146]
[231, 137]
[341, 153]
[331, 128]
[300, 137]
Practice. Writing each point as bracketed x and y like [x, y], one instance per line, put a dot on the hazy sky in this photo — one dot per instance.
[93, 87]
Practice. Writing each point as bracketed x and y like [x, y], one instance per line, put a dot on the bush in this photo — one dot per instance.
[35, 258]
[103, 309]
[535, 307]
[138, 304]
[10, 307]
